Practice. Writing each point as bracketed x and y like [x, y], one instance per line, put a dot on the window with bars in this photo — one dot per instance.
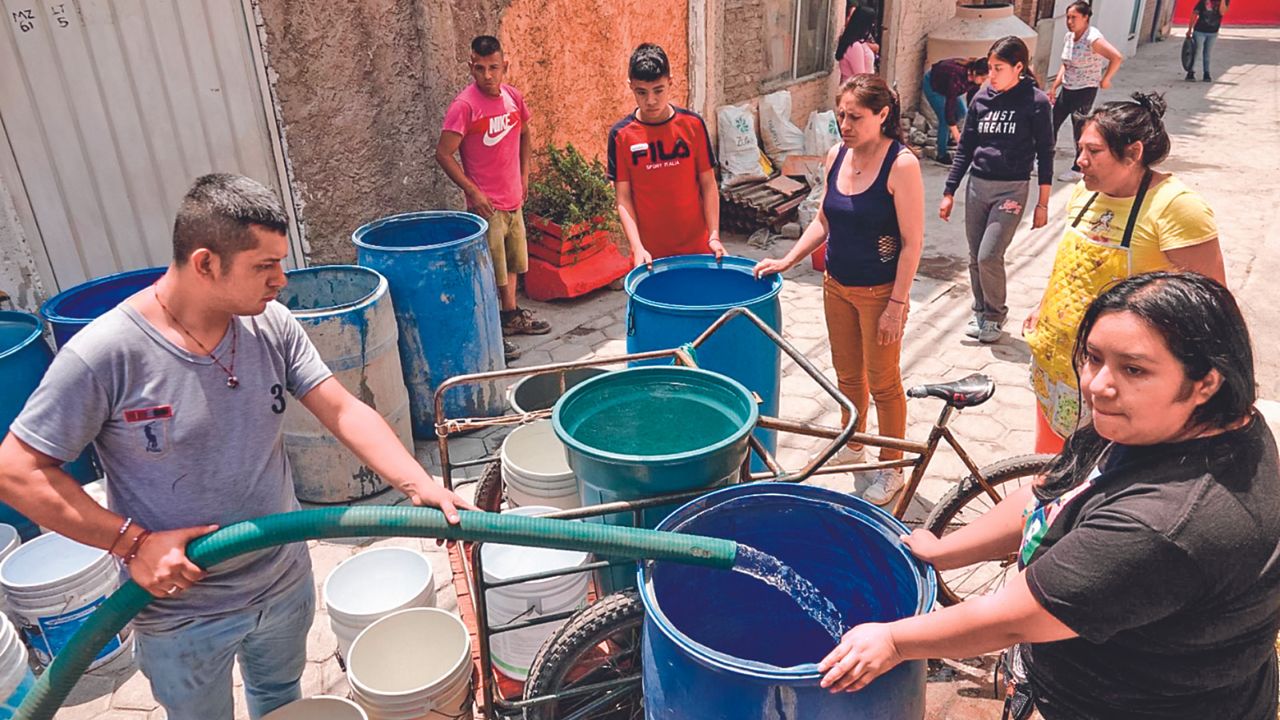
[799, 42]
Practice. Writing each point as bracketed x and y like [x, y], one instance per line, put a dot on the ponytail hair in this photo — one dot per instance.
[1139, 119]
[873, 93]
[1011, 50]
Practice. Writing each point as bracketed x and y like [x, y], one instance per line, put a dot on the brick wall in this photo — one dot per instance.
[742, 62]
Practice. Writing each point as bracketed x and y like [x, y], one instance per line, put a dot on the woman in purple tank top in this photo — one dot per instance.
[872, 220]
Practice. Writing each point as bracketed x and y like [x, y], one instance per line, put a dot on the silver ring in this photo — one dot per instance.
[171, 590]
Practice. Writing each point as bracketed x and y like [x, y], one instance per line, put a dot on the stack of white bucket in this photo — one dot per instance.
[16, 678]
[534, 468]
[52, 585]
[513, 651]
[372, 585]
[412, 665]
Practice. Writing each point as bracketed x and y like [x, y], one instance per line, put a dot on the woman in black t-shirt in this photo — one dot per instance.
[1148, 585]
[1206, 19]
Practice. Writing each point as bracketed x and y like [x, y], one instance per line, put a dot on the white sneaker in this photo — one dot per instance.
[885, 484]
[1069, 175]
[848, 456]
[988, 332]
[974, 326]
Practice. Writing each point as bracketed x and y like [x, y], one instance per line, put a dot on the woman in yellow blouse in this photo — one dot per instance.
[1125, 218]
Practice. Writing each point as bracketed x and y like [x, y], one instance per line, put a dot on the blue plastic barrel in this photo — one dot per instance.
[70, 310]
[24, 358]
[680, 297]
[720, 645]
[642, 432]
[446, 303]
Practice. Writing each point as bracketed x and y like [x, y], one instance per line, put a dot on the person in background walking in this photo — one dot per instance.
[1088, 63]
[1206, 20]
[948, 85]
[488, 125]
[1126, 218]
[857, 48]
[1008, 128]
[872, 220]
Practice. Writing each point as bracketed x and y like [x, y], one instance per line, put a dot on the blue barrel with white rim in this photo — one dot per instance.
[71, 310]
[24, 358]
[446, 302]
[722, 645]
[680, 297]
[346, 311]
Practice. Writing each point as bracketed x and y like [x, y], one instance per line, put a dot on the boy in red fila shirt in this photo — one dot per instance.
[663, 169]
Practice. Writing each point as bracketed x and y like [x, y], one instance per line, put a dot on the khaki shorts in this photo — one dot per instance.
[507, 244]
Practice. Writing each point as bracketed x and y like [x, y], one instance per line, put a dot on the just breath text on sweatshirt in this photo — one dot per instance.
[1004, 133]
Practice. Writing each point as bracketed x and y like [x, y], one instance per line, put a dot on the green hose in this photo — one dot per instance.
[110, 618]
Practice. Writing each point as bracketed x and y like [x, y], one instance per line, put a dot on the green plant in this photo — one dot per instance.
[568, 189]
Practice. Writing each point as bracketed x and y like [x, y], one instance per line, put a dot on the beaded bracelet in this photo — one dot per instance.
[124, 528]
[137, 545]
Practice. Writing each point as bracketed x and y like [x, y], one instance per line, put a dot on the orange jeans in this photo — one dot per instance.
[864, 368]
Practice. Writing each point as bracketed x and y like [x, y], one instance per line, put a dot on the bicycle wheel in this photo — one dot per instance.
[965, 503]
[600, 643]
[489, 488]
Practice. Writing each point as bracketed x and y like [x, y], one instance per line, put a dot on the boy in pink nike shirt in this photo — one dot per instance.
[488, 125]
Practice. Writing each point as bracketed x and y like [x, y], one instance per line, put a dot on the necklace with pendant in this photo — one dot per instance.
[232, 381]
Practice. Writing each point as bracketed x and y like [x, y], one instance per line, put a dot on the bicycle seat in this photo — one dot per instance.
[966, 392]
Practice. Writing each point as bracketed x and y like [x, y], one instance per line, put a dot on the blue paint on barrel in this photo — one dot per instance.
[71, 310]
[720, 645]
[347, 313]
[641, 432]
[446, 304]
[24, 358]
[680, 297]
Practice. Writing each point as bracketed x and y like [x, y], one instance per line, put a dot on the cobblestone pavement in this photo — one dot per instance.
[1225, 142]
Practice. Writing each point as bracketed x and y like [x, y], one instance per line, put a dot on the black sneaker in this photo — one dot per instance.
[510, 351]
[1191, 75]
[944, 159]
[1206, 78]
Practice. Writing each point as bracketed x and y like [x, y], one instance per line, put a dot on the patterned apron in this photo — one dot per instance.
[1083, 267]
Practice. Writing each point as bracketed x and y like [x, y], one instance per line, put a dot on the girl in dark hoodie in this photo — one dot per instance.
[1009, 127]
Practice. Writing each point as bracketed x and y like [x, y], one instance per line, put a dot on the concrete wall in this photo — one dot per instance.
[361, 91]
[909, 23]
[569, 57]
[19, 278]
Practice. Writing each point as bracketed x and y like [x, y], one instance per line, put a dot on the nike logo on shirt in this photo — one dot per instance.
[499, 126]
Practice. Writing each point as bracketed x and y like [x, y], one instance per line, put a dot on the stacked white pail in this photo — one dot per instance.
[373, 584]
[320, 707]
[534, 468]
[412, 665]
[513, 651]
[15, 674]
[52, 585]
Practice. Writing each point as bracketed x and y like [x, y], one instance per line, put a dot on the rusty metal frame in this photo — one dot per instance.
[920, 454]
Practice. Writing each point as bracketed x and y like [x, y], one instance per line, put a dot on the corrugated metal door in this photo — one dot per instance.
[111, 108]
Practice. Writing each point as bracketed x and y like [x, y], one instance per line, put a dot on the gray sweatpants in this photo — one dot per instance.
[992, 210]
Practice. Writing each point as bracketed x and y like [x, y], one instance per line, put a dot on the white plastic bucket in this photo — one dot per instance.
[534, 468]
[412, 665]
[320, 707]
[53, 584]
[373, 584]
[16, 677]
[513, 651]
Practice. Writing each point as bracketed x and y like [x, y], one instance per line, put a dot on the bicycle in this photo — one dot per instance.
[589, 668]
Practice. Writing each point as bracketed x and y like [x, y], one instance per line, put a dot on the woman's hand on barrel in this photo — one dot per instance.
[923, 544]
[770, 266]
[160, 564]
[864, 654]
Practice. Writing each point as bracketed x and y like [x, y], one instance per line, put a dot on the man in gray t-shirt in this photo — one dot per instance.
[182, 390]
